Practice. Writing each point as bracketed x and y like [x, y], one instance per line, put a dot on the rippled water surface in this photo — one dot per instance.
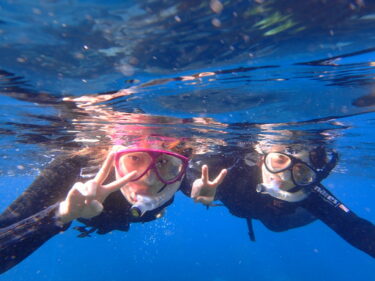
[230, 73]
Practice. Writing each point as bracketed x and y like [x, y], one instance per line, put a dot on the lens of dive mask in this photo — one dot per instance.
[303, 174]
[277, 162]
[168, 166]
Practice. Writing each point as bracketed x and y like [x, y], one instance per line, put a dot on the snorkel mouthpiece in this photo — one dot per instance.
[136, 212]
[273, 189]
[148, 203]
[144, 204]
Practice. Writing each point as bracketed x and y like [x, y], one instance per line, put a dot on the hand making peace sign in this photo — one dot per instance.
[204, 190]
[84, 200]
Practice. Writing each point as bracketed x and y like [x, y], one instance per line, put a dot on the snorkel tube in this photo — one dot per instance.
[274, 190]
[147, 203]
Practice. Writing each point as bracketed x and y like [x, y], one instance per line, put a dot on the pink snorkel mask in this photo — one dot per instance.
[149, 153]
[168, 166]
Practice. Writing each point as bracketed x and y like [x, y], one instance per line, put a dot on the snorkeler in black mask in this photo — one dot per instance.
[282, 188]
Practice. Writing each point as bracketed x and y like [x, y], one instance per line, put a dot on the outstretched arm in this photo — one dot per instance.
[49, 187]
[31, 219]
[357, 231]
[84, 200]
[20, 239]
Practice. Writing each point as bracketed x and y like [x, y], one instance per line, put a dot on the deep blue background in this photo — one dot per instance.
[268, 77]
[191, 243]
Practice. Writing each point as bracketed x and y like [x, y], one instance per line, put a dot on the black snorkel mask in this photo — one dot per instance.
[304, 176]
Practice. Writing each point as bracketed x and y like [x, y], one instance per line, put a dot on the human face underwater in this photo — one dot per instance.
[290, 177]
[159, 176]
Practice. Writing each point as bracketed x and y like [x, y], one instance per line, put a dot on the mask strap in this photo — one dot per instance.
[329, 167]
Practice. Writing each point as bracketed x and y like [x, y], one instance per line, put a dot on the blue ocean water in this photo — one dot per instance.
[226, 73]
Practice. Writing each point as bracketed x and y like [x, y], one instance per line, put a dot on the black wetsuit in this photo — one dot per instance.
[31, 219]
[238, 193]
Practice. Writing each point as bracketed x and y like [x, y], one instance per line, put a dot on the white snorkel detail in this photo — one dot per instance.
[274, 190]
[148, 203]
[278, 189]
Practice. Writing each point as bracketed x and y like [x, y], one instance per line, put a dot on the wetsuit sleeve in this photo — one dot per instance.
[185, 187]
[192, 173]
[359, 232]
[51, 186]
[22, 238]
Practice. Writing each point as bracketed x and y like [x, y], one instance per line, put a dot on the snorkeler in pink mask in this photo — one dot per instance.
[148, 176]
[134, 184]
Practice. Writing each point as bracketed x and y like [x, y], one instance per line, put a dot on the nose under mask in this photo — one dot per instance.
[281, 180]
[150, 178]
[277, 186]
